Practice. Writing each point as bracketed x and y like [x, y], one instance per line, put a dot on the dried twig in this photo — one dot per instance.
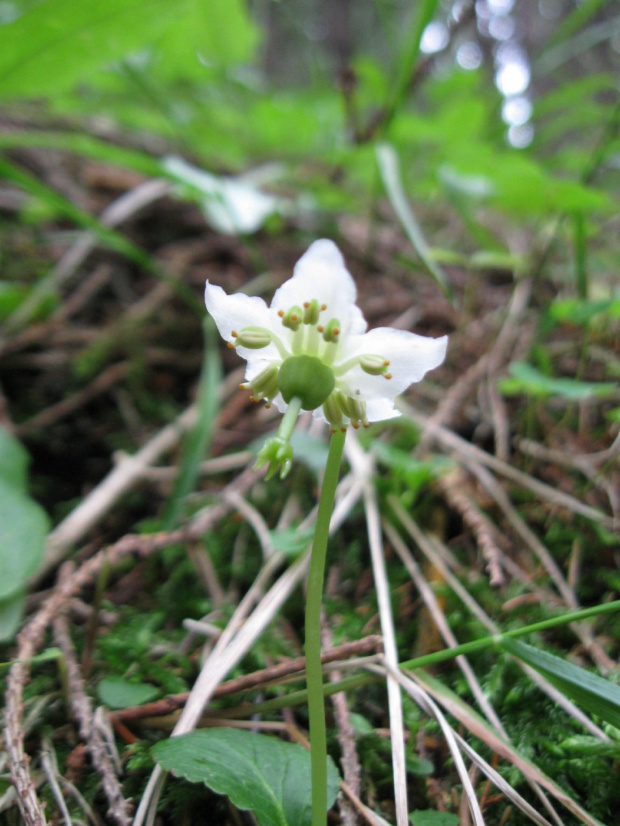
[118, 808]
[482, 528]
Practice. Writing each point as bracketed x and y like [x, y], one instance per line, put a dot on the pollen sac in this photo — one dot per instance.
[355, 410]
[333, 411]
[265, 385]
[374, 365]
[331, 331]
[254, 338]
[293, 318]
[307, 379]
[311, 311]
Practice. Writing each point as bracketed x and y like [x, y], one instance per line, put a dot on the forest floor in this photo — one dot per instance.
[511, 481]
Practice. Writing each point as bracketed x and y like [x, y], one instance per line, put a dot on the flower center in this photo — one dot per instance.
[306, 378]
[309, 369]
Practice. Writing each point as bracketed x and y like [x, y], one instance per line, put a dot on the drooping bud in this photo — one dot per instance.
[278, 454]
[305, 378]
[254, 338]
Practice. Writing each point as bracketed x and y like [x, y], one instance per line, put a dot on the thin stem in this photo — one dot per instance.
[314, 675]
[287, 425]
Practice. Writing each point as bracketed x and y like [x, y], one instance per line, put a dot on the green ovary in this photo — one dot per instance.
[305, 378]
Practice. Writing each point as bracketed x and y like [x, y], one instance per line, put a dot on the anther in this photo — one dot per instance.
[281, 313]
[387, 376]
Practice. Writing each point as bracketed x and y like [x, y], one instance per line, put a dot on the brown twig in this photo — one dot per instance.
[482, 528]
[118, 807]
[247, 682]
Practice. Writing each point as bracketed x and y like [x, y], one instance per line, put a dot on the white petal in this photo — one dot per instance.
[410, 357]
[234, 312]
[321, 274]
[378, 410]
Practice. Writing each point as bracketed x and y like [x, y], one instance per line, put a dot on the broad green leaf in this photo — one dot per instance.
[263, 774]
[58, 43]
[23, 528]
[429, 817]
[13, 460]
[216, 32]
[11, 613]
[597, 695]
[11, 296]
[291, 542]
[531, 382]
[115, 692]
[578, 311]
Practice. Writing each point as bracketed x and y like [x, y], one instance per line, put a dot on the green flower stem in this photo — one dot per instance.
[314, 674]
[287, 425]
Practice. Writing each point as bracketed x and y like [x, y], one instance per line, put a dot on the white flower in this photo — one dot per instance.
[311, 345]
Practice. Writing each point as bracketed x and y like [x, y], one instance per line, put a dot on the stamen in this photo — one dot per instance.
[332, 331]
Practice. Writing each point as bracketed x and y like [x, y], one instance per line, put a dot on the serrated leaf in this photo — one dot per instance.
[115, 692]
[262, 774]
[23, 528]
[13, 460]
[597, 695]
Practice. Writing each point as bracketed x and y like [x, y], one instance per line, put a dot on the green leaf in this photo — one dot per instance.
[198, 440]
[216, 32]
[387, 160]
[23, 528]
[13, 460]
[531, 382]
[291, 542]
[429, 817]
[267, 776]
[115, 692]
[58, 43]
[11, 613]
[578, 311]
[597, 695]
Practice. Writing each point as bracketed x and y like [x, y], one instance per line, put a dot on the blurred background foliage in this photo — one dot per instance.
[489, 106]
